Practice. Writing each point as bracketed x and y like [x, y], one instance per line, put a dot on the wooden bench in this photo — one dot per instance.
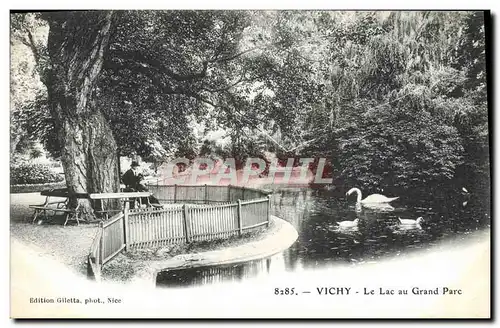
[60, 207]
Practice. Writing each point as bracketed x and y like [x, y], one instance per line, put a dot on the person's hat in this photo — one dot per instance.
[134, 164]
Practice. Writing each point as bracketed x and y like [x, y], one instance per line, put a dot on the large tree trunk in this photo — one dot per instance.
[77, 43]
[14, 140]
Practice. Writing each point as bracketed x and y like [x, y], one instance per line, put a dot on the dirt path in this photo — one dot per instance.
[68, 245]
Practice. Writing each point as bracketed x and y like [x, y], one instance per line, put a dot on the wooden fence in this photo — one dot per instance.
[109, 242]
[206, 213]
[94, 262]
[204, 194]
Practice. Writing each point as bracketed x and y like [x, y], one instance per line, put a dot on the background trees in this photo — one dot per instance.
[393, 99]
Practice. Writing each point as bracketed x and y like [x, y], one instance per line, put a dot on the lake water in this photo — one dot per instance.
[377, 237]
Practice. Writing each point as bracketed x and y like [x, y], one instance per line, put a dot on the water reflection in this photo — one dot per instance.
[323, 242]
[222, 273]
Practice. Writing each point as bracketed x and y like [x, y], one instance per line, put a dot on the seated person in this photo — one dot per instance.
[132, 181]
[132, 178]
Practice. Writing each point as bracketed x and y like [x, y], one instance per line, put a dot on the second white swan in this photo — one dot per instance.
[348, 224]
[409, 222]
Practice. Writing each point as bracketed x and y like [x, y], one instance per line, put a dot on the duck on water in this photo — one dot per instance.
[348, 224]
[409, 222]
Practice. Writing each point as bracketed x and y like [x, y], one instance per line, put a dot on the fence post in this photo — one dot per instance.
[100, 262]
[268, 210]
[206, 194]
[240, 219]
[229, 193]
[175, 193]
[186, 223]
[126, 228]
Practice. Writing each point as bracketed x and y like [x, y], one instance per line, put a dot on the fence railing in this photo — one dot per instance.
[109, 242]
[94, 263]
[206, 194]
[192, 222]
[113, 237]
[206, 213]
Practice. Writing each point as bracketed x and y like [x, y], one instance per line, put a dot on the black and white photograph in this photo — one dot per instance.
[236, 164]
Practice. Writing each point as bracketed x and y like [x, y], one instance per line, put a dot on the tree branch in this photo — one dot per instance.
[231, 57]
[241, 116]
[140, 57]
[226, 87]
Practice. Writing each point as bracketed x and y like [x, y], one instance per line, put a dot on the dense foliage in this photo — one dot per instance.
[414, 149]
[395, 100]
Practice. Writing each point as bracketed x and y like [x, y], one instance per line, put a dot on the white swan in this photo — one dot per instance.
[409, 222]
[375, 198]
[378, 207]
[348, 224]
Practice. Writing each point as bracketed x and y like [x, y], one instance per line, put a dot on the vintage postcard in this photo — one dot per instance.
[250, 164]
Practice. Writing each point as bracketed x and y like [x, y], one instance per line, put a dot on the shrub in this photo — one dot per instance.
[16, 189]
[32, 174]
[401, 148]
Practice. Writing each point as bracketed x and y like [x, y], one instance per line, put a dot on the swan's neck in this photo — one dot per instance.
[358, 193]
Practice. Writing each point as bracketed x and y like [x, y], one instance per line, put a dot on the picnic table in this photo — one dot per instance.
[71, 213]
